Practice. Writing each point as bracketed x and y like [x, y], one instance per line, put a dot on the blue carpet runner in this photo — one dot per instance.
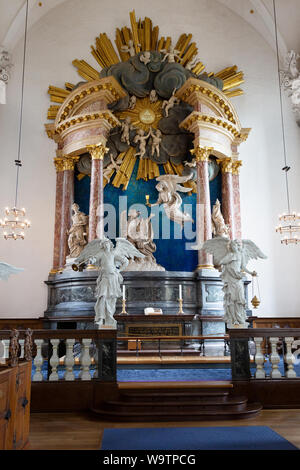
[195, 438]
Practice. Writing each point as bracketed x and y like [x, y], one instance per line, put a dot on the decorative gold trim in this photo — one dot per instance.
[69, 162]
[97, 152]
[236, 164]
[59, 164]
[205, 266]
[109, 117]
[225, 164]
[212, 120]
[202, 153]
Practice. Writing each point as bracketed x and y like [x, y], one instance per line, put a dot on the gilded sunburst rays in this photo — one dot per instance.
[144, 115]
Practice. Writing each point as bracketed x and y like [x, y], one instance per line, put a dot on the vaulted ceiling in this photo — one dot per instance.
[259, 13]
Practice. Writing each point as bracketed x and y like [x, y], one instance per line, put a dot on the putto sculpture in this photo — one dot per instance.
[232, 257]
[110, 260]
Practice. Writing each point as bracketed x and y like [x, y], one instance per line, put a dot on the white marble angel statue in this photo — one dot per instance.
[113, 166]
[233, 256]
[126, 127]
[111, 260]
[7, 270]
[141, 139]
[168, 187]
[156, 140]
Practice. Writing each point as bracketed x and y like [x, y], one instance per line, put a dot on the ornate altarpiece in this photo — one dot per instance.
[152, 85]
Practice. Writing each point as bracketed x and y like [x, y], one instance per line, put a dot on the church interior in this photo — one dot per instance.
[149, 225]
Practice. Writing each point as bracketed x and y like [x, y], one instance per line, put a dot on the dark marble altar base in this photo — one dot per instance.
[71, 297]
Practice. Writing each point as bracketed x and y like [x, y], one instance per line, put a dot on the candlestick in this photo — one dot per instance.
[180, 311]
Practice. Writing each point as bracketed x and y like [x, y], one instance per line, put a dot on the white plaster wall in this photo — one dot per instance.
[223, 39]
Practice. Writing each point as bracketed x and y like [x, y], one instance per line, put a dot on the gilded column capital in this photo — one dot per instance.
[201, 153]
[59, 164]
[236, 164]
[225, 164]
[69, 162]
[97, 152]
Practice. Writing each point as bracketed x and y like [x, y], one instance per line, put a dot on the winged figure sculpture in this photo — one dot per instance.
[168, 187]
[7, 270]
[111, 260]
[232, 256]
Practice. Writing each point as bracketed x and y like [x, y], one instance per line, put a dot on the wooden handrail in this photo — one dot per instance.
[263, 332]
[62, 334]
[173, 338]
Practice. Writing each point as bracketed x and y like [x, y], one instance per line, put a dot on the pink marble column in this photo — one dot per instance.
[96, 228]
[203, 214]
[58, 162]
[66, 210]
[236, 198]
[227, 194]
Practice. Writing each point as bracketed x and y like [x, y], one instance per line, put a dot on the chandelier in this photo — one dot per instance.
[289, 222]
[14, 222]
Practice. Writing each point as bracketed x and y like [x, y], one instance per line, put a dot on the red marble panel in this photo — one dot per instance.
[96, 200]
[203, 222]
[58, 216]
[67, 201]
[228, 202]
[237, 205]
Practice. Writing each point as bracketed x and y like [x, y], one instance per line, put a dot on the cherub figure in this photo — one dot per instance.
[169, 104]
[141, 138]
[126, 127]
[112, 166]
[153, 96]
[233, 256]
[132, 102]
[145, 57]
[129, 48]
[191, 63]
[110, 260]
[156, 140]
[171, 54]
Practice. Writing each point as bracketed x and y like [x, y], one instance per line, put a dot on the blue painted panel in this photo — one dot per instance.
[173, 245]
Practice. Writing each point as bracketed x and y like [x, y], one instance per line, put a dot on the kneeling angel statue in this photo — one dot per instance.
[232, 256]
[111, 260]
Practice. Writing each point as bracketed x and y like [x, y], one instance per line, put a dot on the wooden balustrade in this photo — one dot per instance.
[274, 347]
[80, 360]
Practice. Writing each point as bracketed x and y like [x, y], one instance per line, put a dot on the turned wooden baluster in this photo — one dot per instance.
[54, 361]
[274, 358]
[69, 359]
[28, 345]
[38, 361]
[259, 359]
[85, 359]
[289, 358]
[14, 348]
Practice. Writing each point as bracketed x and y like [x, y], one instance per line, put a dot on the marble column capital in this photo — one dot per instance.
[225, 164]
[236, 164]
[97, 152]
[69, 162]
[59, 164]
[201, 153]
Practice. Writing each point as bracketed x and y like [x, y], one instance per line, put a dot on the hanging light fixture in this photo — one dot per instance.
[289, 222]
[14, 222]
